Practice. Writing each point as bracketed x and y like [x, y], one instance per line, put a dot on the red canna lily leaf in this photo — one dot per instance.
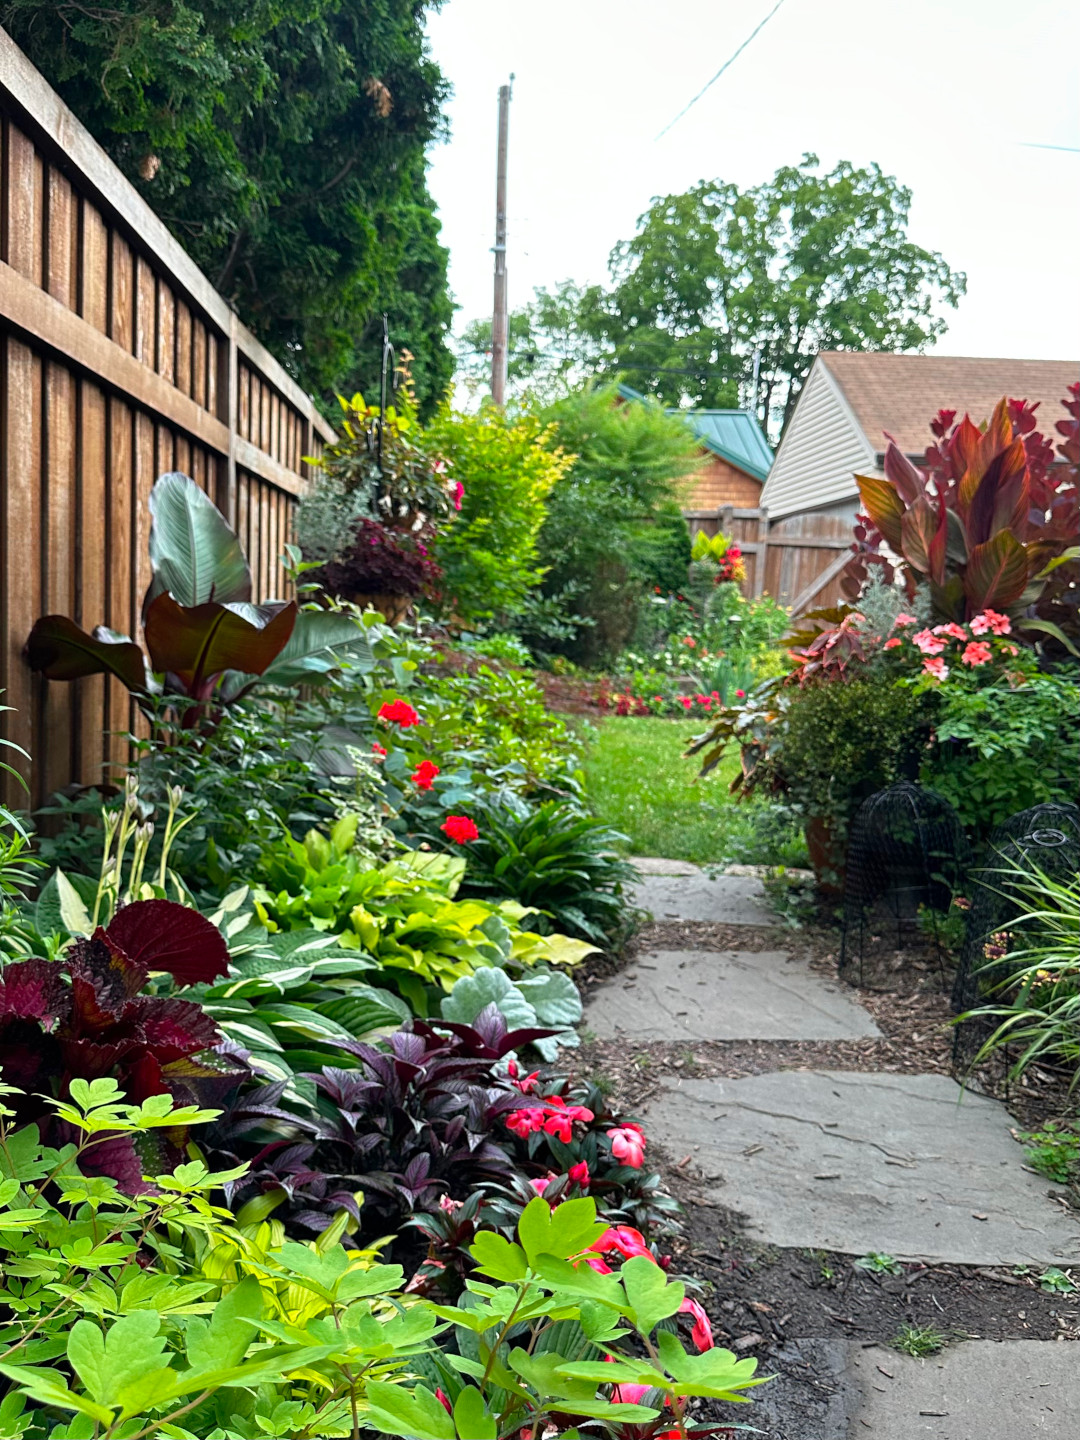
[196, 643]
[163, 935]
[918, 527]
[910, 482]
[58, 649]
[884, 507]
[1003, 470]
[997, 573]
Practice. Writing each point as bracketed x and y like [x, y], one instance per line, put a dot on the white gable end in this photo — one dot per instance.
[820, 453]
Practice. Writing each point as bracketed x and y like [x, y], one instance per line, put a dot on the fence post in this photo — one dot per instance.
[762, 552]
[227, 388]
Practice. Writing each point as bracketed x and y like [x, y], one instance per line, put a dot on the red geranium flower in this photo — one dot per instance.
[378, 751]
[424, 775]
[460, 829]
[399, 712]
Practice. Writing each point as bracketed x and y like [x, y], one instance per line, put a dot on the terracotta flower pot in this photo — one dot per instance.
[393, 608]
[827, 854]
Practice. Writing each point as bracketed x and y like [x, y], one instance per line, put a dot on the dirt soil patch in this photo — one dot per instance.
[760, 1297]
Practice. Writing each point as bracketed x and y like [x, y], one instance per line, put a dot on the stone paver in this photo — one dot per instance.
[858, 1162]
[729, 899]
[724, 995]
[657, 865]
[980, 1390]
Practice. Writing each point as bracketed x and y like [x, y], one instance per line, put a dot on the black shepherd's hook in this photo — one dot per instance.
[388, 372]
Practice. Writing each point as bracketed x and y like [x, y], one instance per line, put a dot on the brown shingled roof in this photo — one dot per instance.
[903, 393]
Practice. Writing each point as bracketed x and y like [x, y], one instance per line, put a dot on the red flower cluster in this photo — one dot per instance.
[423, 776]
[552, 1115]
[379, 751]
[460, 829]
[399, 712]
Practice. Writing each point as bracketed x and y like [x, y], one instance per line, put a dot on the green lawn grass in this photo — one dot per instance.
[639, 781]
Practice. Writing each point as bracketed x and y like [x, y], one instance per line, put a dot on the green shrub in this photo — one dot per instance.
[836, 743]
[507, 466]
[1003, 747]
[565, 864]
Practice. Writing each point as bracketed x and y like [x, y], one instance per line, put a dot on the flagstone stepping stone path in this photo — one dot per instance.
[725, 995]
[688, 893]
[849, 1162]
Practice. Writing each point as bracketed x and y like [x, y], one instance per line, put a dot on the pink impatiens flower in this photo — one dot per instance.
[625, 1239]
[524, 1123]
[628, 1145]
[928, 642]
[991, 620]
[976, 652]
[893, 643]
[541, 1182]
[740, 694]
[905, 620]
[560, 1121]
[956, 631]
[701, 1334]
[936, 667]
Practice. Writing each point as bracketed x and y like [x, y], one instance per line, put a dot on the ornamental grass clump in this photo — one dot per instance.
[1036, 1008]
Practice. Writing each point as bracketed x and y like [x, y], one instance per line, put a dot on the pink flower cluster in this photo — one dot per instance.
[552, 1116]
[625, 1241]
[933, 643]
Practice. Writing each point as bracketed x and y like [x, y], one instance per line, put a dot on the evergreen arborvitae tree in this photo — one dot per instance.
[283, 142]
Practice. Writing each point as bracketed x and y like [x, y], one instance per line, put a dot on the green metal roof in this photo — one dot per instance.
[734, 435]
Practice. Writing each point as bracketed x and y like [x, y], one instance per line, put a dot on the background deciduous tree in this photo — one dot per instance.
[804, 262]
[283, 143]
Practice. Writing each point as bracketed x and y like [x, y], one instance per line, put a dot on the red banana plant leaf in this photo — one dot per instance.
[196, 643]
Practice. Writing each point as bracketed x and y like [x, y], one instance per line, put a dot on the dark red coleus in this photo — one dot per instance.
[84, 1016]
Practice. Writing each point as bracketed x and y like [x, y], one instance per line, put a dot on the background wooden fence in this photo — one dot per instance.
[118, 360]
[796, 560]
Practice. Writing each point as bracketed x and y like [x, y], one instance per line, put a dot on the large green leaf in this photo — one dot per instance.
[194, 551]
[320, 641]
[489, 986]
[199, 641]
[59, 650]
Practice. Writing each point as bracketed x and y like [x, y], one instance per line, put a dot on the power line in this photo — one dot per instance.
[1036, 145]
[720, 72]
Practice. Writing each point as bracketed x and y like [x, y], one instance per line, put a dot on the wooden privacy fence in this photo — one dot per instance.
[797, 560]
[118, 360]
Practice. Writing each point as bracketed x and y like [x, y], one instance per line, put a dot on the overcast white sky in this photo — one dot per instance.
[942, 93]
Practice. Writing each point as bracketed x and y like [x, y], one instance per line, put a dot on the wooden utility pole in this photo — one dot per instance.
[500, 338]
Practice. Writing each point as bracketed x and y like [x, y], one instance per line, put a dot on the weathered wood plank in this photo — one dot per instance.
[20, 559]
[184, 382]
[165, 360]
[91, 609]
[121, 293]
[94, 270]
[120, 601]
[56, 717]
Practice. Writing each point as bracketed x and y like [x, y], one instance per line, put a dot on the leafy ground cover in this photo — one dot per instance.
[642, 784]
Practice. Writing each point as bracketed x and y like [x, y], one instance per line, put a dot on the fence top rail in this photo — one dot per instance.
[74, 150]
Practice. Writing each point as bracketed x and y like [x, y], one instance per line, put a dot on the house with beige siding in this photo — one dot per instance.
[853, 403]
